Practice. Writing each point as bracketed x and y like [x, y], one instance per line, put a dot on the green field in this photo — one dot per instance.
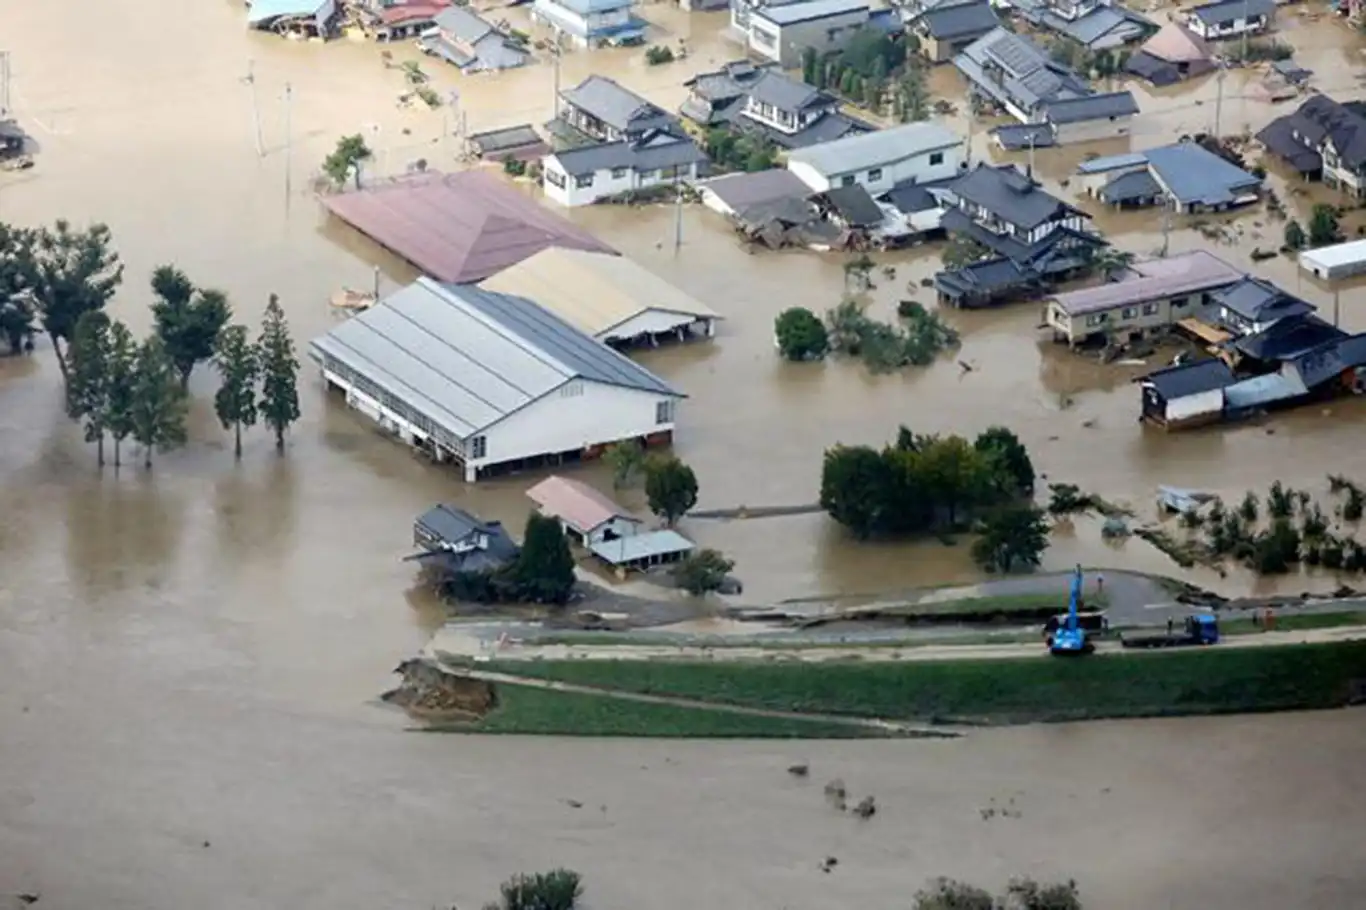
[1295, 622]
[1205, 681]
[538, 712]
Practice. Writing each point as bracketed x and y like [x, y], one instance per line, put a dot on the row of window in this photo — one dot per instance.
[1131, 312]
[584, 181]
[875, 174]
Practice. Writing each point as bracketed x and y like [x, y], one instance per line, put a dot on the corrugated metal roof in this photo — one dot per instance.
[459, 227]
[1174, 276]
[592, 292]
[1329, 257]
[636, 547]
[575, 503]
[808, 10]
[1092, 107]
[1111, 162]
[876, 149]
[466, 358]
[1132, 187]
[1194, 175]
[1260, 391]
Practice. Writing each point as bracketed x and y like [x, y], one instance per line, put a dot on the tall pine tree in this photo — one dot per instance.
[279, 405]
[159, 402]
[122, 379]
[239, 366]
[87, 391]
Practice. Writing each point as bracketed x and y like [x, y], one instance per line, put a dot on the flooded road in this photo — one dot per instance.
[185, 656]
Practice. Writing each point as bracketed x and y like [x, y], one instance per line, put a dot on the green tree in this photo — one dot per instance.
[1027, 894]
[279, 403]
[87, 392]
[17, 312]
[187, 318]
[1110, 260]
[625, 458]
[1010, 455]
[954, 473]
[670, 487]
[70, 273]
[1013, 538]
[159, 403]
[947, 894]
[559, 889]
[544, 570]
[801, 335]
[1295, 238]
[346, 159]
[1323, 226]
[962, 250]
[240, 370]
[810, 66]
[122, 386]
[703, 571]
[854, 485]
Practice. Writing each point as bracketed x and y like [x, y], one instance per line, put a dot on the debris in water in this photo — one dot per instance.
[207, 845]
[965, 366]
[28, 897]
[573, 803]
[835, 794]
[799, 770]
[866, 808]
[830, 863]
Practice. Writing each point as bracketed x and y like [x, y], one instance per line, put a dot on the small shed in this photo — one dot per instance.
[520, 143]
[1331, 263]
[451, 539]
[644, 550]
[586, 515]
[1187, 395]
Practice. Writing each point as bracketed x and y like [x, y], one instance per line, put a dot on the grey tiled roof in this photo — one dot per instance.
[1190, 378]
[1228, 10]
[1092, 107]
[650, 153]
[959, 20]
[615, 105]
[466, 358]
[460, 23]
[1256, 299]
[786, 93]
[1010, 195]
[1028, 76]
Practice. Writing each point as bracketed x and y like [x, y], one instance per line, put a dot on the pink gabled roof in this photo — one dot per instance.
[459, 228]
[1177, 44]
[412, 11]
[576, 504]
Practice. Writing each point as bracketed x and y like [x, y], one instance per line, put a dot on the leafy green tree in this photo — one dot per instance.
[87, 392]
[559, 889]
[1010, 456]
[279, 403]
[947, 894]
[625, 458]
[1323, 226]
[1295, 237]
[1027, 894]
[122, 386]
[1013, 538]
[159, 403]
[854, 482]
[187, 318]
[17, 312]
[670, 487]
[240, 369]
[346, 159]
[703, 571]
[71, 272]
[801, 335]
[544, 570]
[954, 474]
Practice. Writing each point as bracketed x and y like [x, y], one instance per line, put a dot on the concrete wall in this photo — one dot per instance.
[1093, 130]
[934, 165]
[786, 43]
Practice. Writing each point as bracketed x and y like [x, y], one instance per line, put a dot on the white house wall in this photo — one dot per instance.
[604, 184]
[1092, 130]
[912, 167]
[650, 322]
[564, 421]
[1190, 407]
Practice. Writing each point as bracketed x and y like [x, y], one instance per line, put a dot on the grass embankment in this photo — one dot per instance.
[1294, 622]
[529, 711]
[1001, 608]
[1205, 681]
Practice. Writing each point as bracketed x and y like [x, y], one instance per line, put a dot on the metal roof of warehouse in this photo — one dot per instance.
[871, 150]
[458, 227]
[467, 358]
[593, 292]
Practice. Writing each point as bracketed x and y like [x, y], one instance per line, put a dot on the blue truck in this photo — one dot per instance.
[1197, 629]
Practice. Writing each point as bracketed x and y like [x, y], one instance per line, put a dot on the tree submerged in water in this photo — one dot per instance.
[885, 347]
[1021, 894]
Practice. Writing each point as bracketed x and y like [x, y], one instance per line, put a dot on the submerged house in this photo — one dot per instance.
[764, 100]
[311, 18]
[1053, 104]
[782, 32]
[1032, 237]
[1323, 138]
[1173, 55]
[604, 528]
[912, 152]
[1096, 25]
[466, 40]
[452, 540]
[1186, 395]
[602, 109]
[385, 20]
[591, 23]
[1229, 18]
[592, 173]
[1185, 176]
[947, 29]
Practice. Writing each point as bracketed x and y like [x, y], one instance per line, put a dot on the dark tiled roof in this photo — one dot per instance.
[1131, 187]
[1288, 338]
[854, 206]
[1092, 107]
[946, 22]
[649, 153]
[788, 94]
[1228, 10]
[1255, 300]
[1010, 195]
[1279, 139]
[1190, 378]
[1321, 119]
[458, 227]
[615, 105]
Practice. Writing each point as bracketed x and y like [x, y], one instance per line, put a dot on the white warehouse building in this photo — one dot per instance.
[490, 380]
[920, 152]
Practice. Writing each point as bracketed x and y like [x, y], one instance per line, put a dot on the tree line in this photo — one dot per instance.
[58, 281]
[923, 484]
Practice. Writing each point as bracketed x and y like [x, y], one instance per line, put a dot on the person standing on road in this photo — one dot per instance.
[1100, 584]
[1171, 625]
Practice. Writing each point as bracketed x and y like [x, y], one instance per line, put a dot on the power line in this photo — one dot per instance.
[250, 80]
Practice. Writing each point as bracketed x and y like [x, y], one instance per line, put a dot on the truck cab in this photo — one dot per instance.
[1203, 628]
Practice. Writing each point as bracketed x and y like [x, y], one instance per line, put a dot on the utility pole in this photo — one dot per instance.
[289, 144]
[1166, 227]
[1031, 155]
[972, 125]
[4, 83]
[678, 215]
[1336, 312]
[555, 51]
[1219, 100]
[1246, 30]
[250, 80]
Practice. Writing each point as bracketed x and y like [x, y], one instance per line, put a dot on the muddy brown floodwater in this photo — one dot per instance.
[186, 656]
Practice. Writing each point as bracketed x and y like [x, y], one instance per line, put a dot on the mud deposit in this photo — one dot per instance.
[429, 694]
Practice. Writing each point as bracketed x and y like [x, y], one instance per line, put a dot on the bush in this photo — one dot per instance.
[559, 889]
[1013, 538]
[702, 572]
[670, 487]
[885, 347]
[659, 54]
[801, 335]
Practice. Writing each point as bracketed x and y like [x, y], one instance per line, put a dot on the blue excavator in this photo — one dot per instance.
[1069, 638]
